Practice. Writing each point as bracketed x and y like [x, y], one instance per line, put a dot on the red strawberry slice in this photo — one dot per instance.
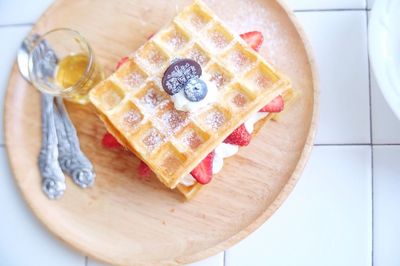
[239, 136]
[254, 39]
[275, 106]
[109, 141]
[122, 61]
[203, 172]
[143, 169]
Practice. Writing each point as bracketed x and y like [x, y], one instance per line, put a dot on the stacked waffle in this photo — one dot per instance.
[141, 114]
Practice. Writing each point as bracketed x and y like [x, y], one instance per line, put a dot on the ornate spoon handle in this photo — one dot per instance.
[53, 183]
[71, 159]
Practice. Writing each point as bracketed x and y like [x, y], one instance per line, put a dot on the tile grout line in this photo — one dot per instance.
[16, 25]
[371, 139]
[356, 144]
[329, 10]
[224, 261]
[372, 206]
[369, 84]
[385, 144]
[341, 144]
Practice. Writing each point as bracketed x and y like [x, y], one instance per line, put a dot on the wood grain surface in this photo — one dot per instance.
[126, 220]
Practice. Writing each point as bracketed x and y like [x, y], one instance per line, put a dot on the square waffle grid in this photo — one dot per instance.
[140, 114]
[288, 96]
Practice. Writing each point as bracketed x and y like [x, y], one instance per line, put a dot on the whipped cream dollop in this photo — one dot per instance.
[225, 150]
[249, 124]
[183, 104]
[187, 180]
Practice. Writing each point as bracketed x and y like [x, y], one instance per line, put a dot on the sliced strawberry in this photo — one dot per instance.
[110, 142]
[275, 106]
[122, 61]
[143, 169]
[239, 136]
[254, 39]
[203, 172]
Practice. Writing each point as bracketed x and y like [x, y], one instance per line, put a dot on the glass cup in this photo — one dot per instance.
[62, 63]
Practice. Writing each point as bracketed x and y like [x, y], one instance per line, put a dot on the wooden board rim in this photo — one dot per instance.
[283, 194]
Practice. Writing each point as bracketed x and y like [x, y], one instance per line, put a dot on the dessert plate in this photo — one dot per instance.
[124, 219]
[384, 50]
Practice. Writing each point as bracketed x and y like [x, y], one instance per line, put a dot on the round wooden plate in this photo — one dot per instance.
[125, 220]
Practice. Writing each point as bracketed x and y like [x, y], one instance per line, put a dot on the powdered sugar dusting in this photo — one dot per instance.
[199, 56]
[152, 58]
[131, 119]
[174, 120]
[176, 41]
[155, 57]
[279, 41]
[215, 119]
[111, 98]
[240, 100]
[261, 81]
[152, 100]
[153, 139]
[217, 39]
[197, 21]
[239, 61]
[220, 79]
[134, 79]
[192, 139]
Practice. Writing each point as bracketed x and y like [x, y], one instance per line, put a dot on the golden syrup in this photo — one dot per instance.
[75, 75]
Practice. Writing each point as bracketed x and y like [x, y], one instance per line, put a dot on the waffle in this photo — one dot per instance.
[138, 112]
[288, 96]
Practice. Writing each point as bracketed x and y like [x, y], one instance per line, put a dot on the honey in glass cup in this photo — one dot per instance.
[62, 63]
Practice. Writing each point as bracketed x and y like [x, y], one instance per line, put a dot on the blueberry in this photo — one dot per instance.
[195, 90]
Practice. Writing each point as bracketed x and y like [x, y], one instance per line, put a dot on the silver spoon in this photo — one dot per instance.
[53, 179]
[60, 144]
[71, 159]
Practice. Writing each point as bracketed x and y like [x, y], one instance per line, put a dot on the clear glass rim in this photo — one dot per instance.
[86, 75]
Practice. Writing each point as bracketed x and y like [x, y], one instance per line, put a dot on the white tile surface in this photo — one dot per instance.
[370, 3]
[23, 240]
[385, 124]
[339, 41]
[386, 205]
[12, 13]
[217, 260]
[11, 38]
[325, 221]
[92, 262]
[325, 4]
[22, 11]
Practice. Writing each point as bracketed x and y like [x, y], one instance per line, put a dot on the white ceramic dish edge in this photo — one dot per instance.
[384, 49]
